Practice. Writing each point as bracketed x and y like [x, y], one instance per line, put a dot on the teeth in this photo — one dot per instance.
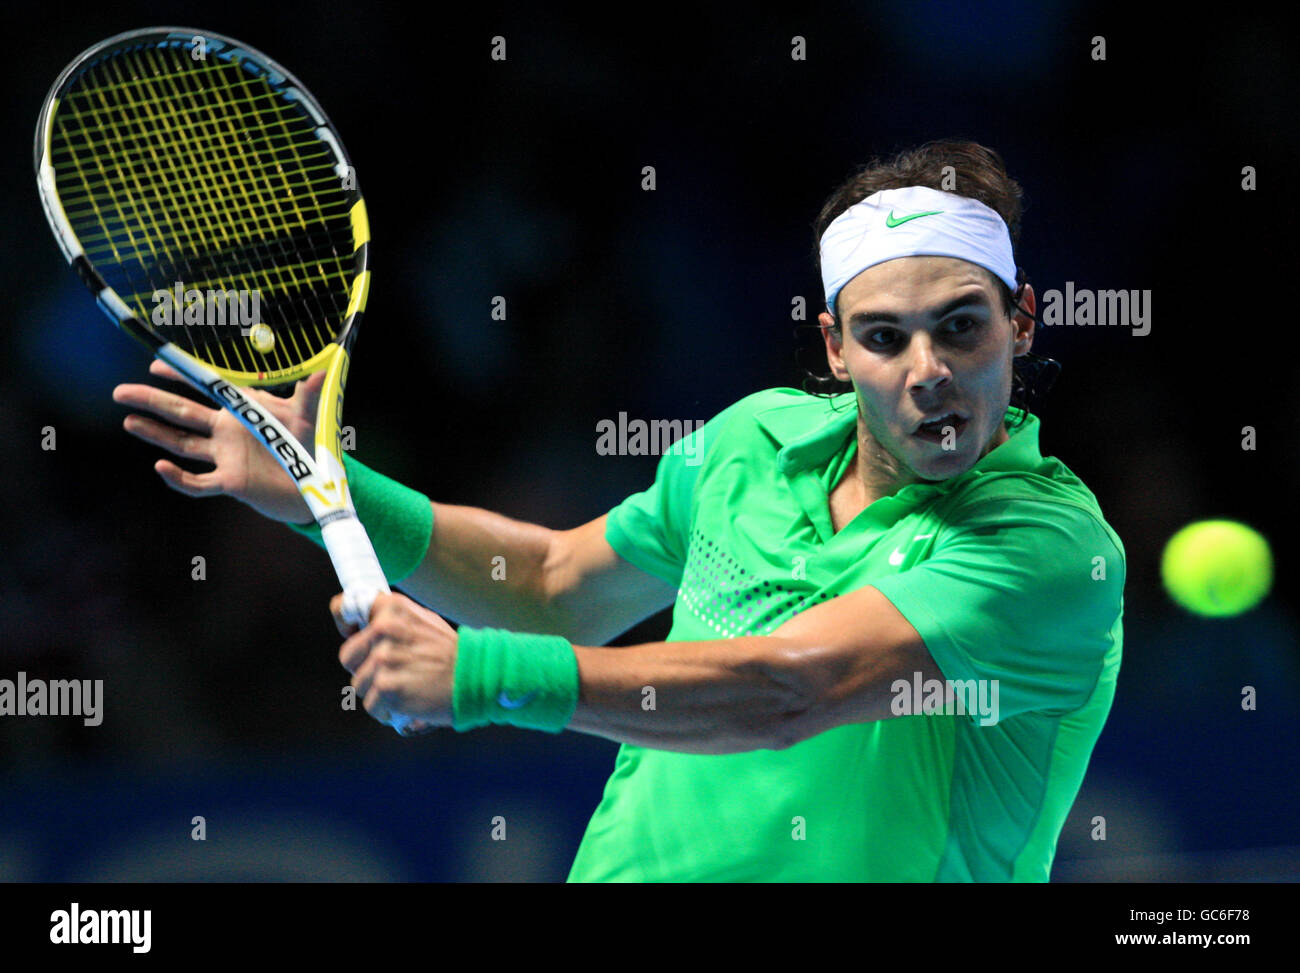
[942, 418]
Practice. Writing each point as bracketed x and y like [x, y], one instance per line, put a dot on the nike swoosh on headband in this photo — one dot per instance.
[890, 221]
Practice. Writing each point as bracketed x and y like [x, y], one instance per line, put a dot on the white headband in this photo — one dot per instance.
[913, 222]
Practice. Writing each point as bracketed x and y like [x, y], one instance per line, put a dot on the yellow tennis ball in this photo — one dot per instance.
[1217, 568]
[262, 337]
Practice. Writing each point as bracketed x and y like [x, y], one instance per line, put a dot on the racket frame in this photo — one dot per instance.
[320, 478]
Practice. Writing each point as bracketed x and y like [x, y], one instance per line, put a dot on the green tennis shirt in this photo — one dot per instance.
[1007, 571]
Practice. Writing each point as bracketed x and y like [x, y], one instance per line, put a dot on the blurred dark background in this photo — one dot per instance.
[522, 179]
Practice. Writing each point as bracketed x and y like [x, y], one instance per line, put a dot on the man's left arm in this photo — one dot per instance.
[827, 666]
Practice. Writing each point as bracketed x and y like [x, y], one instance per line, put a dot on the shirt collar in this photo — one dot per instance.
[809, 437]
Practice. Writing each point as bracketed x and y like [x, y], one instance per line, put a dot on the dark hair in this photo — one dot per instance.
[967, 169]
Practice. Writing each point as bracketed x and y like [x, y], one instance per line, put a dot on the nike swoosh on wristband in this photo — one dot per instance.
[505, 702]
[891, 221]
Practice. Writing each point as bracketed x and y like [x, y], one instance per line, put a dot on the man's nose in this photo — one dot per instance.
[928, 369]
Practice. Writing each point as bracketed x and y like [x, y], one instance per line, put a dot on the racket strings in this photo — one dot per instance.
[200, 172]
[251, 190]
[191, 214]
[168, 200]
[319, 206]
[217, 183]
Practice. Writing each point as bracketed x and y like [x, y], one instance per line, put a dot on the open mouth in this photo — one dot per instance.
[936, 429]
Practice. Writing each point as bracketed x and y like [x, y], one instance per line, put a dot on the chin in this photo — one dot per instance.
[945, 466]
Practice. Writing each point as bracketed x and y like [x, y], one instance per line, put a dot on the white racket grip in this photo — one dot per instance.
[357, 567]
[363, 579]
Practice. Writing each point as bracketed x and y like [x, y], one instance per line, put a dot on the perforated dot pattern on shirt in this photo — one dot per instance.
[733, 601]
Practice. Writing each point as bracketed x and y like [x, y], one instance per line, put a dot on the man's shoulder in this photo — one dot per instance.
[778, 398]
[787, 408]
[1049, 493]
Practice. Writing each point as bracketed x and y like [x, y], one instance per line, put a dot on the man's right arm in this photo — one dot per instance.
[567, 582]
[484, 569]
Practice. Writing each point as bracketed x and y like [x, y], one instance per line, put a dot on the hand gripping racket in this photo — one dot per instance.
[202, 195]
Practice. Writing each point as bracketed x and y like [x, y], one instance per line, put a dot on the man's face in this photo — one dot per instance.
[923, 337]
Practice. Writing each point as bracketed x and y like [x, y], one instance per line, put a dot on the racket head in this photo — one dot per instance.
[207, 202]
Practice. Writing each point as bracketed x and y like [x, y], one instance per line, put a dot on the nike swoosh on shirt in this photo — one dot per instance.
[896, 558]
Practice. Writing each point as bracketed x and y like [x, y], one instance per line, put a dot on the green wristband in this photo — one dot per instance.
[398, 519]
[529, 681]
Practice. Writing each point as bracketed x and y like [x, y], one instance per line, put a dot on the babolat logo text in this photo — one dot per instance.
[1086, 308]
[103, 926]
[179, 306]
[253, 415]
[53, 697]
[656, 437]
[946, 697]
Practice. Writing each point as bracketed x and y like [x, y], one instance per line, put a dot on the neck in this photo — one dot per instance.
[881, 474]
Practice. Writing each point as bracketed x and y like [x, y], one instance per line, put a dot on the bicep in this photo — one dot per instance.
[598, 591]
[849, 652]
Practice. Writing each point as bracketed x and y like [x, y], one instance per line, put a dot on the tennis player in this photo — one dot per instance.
[896, 624]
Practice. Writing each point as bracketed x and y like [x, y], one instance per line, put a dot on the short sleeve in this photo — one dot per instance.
[1025, 591]
[651, 529]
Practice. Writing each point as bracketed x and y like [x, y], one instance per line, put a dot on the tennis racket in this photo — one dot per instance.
[204, 198]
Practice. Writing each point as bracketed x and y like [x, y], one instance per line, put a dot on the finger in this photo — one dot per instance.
[354, 651]
[190, 484]
[376, 698]
[186, 445]
[163, 370]
[375, 707]
[416, 727]
[176, 409]
[397, 603]
[364, 677]
[378, 711]
[345, 627]
[386, 603]
[379, 661]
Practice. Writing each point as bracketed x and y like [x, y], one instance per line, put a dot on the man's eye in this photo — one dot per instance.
[880, 339]
[960, 325]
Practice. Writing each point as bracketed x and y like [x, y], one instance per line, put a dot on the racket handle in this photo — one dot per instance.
[357, 567]
[363, 581]
[357, 603]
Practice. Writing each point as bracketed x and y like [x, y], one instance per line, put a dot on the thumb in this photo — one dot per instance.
[345, 627]
[308, 393]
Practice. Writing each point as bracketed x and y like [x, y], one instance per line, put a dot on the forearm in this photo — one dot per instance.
[830, 665]
[835, 664]
[488, 570]
[725, 696]
[485, 569]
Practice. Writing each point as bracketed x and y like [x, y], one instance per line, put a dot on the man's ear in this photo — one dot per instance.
[834, 346]
[1024, 323]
